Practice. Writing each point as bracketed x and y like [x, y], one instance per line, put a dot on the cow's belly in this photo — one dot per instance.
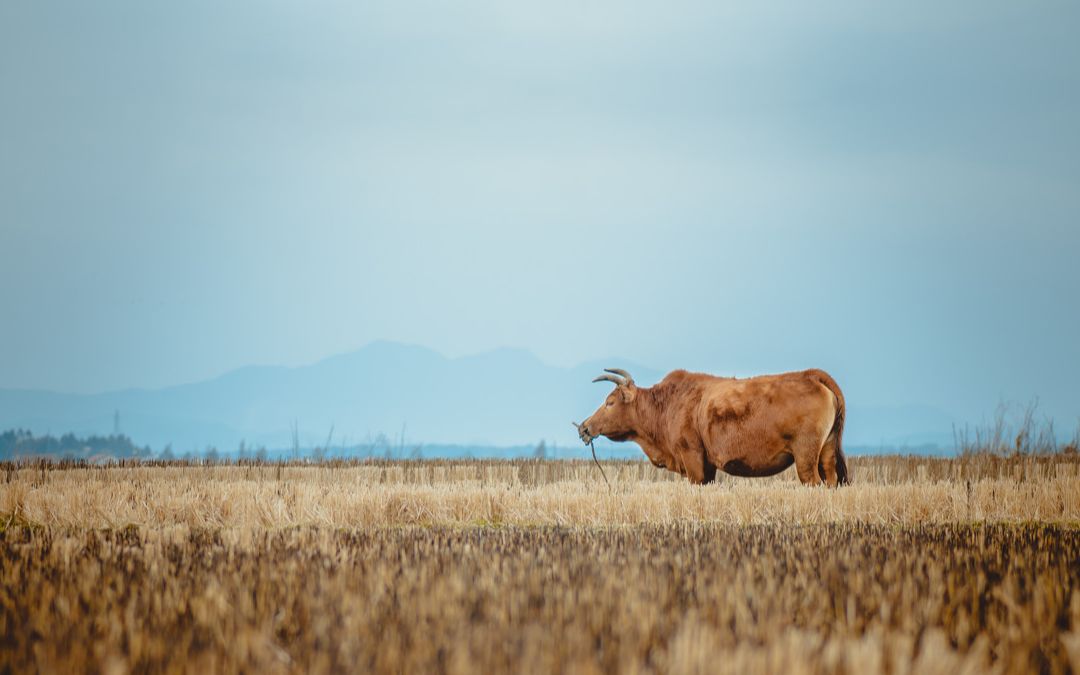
[758, 467]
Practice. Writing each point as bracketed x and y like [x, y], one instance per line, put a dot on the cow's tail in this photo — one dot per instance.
[842, 477]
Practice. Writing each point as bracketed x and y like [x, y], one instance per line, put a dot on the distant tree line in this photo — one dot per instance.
[18, 443]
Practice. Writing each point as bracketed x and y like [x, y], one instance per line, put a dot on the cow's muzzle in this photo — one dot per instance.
[583, 433]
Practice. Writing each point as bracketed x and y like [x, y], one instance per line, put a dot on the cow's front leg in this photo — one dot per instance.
[696, 467]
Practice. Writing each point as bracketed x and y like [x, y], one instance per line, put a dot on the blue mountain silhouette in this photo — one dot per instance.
[506, 397]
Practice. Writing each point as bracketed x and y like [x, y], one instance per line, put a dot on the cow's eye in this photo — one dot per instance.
[611, 402]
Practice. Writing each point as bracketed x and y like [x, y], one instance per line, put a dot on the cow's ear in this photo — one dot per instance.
[629, 391]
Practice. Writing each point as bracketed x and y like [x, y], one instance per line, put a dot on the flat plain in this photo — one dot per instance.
[922, 565]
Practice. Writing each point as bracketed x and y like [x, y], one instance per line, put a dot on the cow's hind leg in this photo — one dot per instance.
[807, 453]
[827, 461]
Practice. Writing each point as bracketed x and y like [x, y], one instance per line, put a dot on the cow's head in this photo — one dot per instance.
[615, 418]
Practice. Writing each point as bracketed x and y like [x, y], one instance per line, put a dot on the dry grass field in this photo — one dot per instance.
[923, 565]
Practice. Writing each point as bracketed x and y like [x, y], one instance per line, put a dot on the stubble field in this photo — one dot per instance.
[951, 566]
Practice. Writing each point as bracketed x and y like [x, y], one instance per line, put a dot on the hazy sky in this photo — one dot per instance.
[891, 192]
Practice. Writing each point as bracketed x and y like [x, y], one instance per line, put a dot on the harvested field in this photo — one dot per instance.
[887, 490]
[922, 566]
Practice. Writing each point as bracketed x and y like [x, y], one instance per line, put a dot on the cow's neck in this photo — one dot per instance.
[648, 406]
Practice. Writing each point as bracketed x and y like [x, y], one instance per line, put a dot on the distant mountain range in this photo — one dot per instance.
[395, 395]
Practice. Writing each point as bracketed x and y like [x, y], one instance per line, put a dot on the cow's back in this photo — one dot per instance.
[761, 414]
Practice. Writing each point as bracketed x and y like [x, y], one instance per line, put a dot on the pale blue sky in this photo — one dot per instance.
[888, 191]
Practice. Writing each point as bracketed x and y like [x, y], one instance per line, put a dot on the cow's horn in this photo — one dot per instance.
[621, 373]
[610, 378]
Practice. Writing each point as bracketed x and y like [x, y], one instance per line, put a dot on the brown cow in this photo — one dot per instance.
[694, 423]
